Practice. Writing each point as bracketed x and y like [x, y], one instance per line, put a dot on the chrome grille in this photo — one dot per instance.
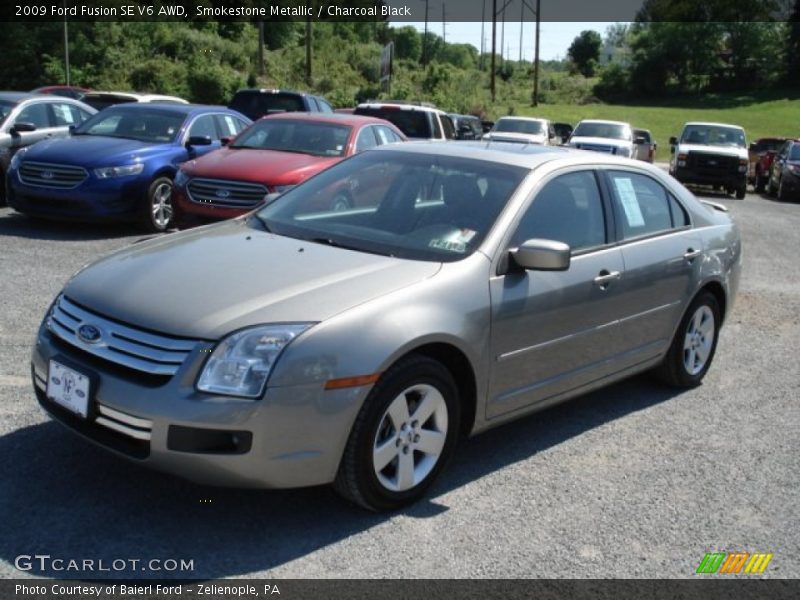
[132, 348]
[599, 148]
[51, 175]
[223, 192]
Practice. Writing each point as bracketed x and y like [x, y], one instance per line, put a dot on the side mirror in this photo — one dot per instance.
[199, 140]
[542, 255]
[226, 140]
[639, 141]
[673, 141]
[22, 128]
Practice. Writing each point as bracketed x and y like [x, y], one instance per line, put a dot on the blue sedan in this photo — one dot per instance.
[118, 165]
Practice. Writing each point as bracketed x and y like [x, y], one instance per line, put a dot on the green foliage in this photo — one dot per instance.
[160, 75]
[211, 83]
[584, 52]
[614, 84]
[407, 43]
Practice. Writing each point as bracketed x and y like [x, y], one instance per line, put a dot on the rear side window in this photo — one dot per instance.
[257, 103]
[386, 135]
[449, 129]
[644, 206]
[228, 125]
[324, 106]
[35, 114]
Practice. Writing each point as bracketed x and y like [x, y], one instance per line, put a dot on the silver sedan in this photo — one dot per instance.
[471, 285]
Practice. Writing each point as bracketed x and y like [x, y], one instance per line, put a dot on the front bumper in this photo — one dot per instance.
[688, 175]
[293, 437]
[111, 200]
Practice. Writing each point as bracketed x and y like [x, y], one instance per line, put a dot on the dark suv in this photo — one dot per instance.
[467, 127]
[256, 103]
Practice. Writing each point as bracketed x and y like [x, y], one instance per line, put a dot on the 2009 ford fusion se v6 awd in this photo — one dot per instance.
[474, 283]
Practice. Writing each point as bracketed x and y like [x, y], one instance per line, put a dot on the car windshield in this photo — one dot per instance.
[519, 126]
[305, 137]
[794, 152]
[614, 131]
[150, 125]
[5, 110]
[414, 123]
[416, 206]
[768, 145]
[713, 135]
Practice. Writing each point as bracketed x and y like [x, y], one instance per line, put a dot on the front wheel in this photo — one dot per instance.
[783, 196]
[403, 436]
[741, 191]
[689, 357]
[157, 212]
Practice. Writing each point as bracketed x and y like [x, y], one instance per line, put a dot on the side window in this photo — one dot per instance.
[324, 106]
[228, 125]
[366, 139]
[65, 115]
[437, 130]
[386, 135]
[642, 203]
[82, 114]
[567, 209]
[680, 218]
[449, 129]
[204, 127]
[36, 114]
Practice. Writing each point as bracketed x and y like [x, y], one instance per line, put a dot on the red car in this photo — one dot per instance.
[761, 154]
[68, 91]
[272, 155]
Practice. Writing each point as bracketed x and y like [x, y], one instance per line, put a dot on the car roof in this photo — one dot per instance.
[19, 96]
[400, 106]
[711, 124]
[141, 97]
[604, 122]
[516, 118]
[183, 109]
[271, 91]
[336, 118]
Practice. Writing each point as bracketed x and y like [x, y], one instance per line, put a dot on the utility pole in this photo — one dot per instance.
[503, 33]
[261, 47]
[536, 56]
[66, 45]
[444, 24]
[483, 39]
[494, 45]
[425, 37]
[308, 50]
[521, 27]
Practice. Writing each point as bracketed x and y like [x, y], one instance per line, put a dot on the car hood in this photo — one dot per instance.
[94, 151]
[600, 141]
[720, 150]
[511, 136]
[258, 166]
[207, 282]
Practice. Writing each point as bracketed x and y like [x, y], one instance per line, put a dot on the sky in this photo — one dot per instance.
[556, 37]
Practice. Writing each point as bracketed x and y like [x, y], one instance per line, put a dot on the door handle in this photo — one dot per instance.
[691, 254]
[605, 278]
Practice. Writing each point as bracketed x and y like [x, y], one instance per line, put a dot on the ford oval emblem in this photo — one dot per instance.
[89, 334]
[222, 193]
[47, 175]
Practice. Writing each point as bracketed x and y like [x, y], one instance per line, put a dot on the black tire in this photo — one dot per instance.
[673, 369]
[771, 189]
[357, 479]
[760, 183]
[782, 195]
[153, 219]
[741, 191]
[2, 188]
[341, 201]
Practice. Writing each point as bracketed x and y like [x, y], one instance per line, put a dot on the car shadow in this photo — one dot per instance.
[19, 225]
[65, 498]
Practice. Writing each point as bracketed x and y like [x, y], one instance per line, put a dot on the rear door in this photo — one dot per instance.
[662, 254]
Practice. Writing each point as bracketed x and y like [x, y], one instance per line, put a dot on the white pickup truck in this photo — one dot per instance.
[712, 154]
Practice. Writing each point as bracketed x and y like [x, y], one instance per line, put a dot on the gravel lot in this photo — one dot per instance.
[632, 481]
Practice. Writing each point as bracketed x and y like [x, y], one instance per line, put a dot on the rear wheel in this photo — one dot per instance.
[403, 436]
[157, 212]
[741, 191]
[692, 350]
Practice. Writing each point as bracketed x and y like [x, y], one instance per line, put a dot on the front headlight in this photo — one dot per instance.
[241, 363]
[122, 171]
[181, 178]
[15, 160]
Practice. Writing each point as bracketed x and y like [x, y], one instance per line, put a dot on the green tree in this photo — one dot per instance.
[584, 52]
[407, 43]
[793, 48]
